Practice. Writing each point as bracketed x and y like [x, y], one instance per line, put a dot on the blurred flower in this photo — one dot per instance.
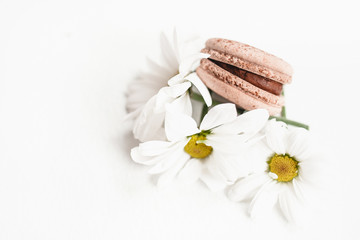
[209, 153]
[165, 84]
[285, 167]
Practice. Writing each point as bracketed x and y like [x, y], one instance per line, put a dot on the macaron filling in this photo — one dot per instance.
[257, 80]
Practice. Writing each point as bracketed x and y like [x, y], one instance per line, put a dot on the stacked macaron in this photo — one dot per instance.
[245, 75]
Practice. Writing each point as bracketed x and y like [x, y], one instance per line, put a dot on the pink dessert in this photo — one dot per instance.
[245, 75]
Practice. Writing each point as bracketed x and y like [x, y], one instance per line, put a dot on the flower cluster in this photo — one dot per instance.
[251, 156]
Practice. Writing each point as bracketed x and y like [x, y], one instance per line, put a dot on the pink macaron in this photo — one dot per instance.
[245, 75]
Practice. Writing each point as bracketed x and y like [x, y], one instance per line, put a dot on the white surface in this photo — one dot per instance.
[65, 171]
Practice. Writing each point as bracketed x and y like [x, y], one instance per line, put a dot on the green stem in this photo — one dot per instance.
[283, 112]
[204, 111]
[199, 98]
[240, 110]
[283, 109]
[196, 97]
[290, 122]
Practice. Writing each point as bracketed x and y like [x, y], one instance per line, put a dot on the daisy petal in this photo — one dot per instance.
[182, 104]
[132, 114]
[226, 165]
[168, 94]
[247, 187]
[160, 159]
[169, 159]
[149, 125]
[226, 143]
[193, 44]
[194, 79]
[286, 203]
[176, 79]
[191, 172]
[220, 114]
[299, 144]
[275, 136]
[176, 45]
[153, 148]
[168, 52]
[179, 125]
[167, 177]
[310, 171]
[299, 192]
[156, 68]
[257, 155]
[213, 181]
[264, 200]
[190, 63]
[161, 98]
[248, 123]
[138, 95]
[139, 158]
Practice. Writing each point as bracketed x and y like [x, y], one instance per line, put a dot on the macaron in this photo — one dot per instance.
[245, 75]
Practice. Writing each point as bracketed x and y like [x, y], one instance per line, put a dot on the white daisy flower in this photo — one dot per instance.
[209, 153]
[284, 167]
[165, 84]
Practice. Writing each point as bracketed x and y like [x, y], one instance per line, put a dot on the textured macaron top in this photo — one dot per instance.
[249, 58]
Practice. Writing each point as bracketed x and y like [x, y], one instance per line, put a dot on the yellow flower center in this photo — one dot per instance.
[284, 166]
[198, 150]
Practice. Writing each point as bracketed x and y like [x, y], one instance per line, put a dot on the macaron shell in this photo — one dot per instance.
[236, 90]
[249, 58]
[248, 66]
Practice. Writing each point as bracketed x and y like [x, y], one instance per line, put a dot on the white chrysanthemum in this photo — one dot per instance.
[284, 167]
[210, 153]
[165, 84]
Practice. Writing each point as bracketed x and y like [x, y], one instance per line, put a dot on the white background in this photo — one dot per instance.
[65, 170]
